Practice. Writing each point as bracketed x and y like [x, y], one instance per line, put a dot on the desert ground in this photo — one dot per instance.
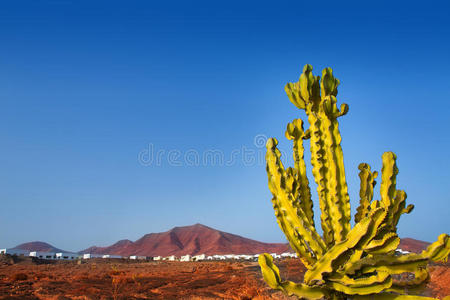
[28, 278]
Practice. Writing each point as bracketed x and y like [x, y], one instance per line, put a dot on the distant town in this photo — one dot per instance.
[187, 257]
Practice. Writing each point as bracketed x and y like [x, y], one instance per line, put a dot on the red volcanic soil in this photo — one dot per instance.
[38, 246]
[195, 239]
[413, 245]
[119, 279]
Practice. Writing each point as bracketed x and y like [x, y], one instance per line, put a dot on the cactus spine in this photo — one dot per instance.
[346, 262]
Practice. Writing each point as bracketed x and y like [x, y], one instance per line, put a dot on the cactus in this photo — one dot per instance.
[358, 262]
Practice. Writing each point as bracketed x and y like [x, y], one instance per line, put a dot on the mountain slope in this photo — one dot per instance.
[413, 245]
[195, 239]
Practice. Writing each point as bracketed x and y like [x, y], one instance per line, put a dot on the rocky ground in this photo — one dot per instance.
[121, 279]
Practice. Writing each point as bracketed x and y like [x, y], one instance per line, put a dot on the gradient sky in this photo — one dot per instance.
[86, 89]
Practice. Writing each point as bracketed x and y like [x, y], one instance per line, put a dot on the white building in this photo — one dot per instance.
[246, 257]
[199, 257]
[111, 256]
[170, 258]
[287, 254]
[89, 255]
[185, 258]
[138, 257]
[43, 255]
[400, 251]
[156, 258]
[66, 256]
[274, 255]
[219, 257]
[12, 251]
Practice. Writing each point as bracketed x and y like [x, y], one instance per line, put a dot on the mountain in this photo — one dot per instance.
[38, 246]
[115, 248]
[413, 245]
[194, 239]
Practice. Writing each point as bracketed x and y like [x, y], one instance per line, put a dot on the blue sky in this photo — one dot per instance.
[88, 87]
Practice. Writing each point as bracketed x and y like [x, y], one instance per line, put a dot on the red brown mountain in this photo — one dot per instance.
[195, 239]
[413, 245]
[38, 246]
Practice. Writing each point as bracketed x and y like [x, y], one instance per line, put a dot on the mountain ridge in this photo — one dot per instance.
[194, 239]
[39, 246]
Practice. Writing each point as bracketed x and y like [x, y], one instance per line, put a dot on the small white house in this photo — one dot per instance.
[12, 251]
[246, 257]
[219, 257]
[185, 258]
[401, 252]
[89, 255]
[43, 255]
[274, 255]
[209, 257]
[111, 256]
[199, 257]
[287, 254]
[156, 258]
[138, 257]
[66, 256]
[170, 258]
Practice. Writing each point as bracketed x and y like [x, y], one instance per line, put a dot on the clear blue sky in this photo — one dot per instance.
[85, 88]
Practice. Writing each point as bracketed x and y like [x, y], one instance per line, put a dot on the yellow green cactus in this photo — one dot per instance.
[345, 262]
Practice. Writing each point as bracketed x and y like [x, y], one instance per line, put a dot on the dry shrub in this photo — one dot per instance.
[19, 277]
[118, 284]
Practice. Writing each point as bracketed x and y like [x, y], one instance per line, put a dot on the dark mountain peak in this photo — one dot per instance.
[190, 227]
[123, 242]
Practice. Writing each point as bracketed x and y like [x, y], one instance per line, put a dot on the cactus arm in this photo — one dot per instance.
[338, 197]
[291, 217]
[270, 271]
[388, 263]
[389, 242]
[292, 90]
[326, 264]
[388, 190]
[367, 183]
[348, 252]
[308, 90]
[389, 173]
[361, 286]
[271, 275]
[388, 296]
[296, 133]
[298, 245]
[439, 250]
[319, 171]
[285, 219]
[415, 285]
[303, 291]
[399, 208]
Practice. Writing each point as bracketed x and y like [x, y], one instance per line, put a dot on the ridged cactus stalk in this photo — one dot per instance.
[345, 262]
